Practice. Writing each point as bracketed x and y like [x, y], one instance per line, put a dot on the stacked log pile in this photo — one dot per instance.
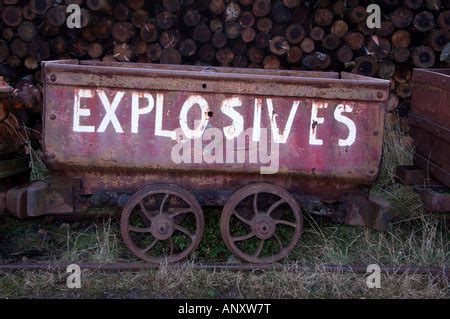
[288, 34]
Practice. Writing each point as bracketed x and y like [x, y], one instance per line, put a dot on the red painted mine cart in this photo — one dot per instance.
[163, 141]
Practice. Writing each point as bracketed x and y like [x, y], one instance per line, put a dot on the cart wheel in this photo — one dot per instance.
[261, 223]
[162, 223]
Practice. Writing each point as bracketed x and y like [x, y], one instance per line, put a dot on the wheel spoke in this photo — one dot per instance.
[184, 231]
[275, 205]
[255, 204]
[260, 248]
[285, 222]
[243, 237]
[144, 210]
[163, 203]
[242, 219]
[149, 247]
[171, 246]
[279, 241]
[139, 229]
[180, 211]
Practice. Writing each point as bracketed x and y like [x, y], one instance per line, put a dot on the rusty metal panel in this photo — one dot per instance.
[129, 121]
[430, 122]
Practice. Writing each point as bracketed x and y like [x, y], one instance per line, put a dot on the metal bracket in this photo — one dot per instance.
[372, 212]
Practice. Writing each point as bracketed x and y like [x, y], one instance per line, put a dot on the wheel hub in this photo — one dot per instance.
[263, 226]
[162, 228]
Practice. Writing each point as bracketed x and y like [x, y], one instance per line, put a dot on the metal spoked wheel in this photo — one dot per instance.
[162, 223]
[261, 223]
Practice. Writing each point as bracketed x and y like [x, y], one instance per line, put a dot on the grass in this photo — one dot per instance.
[414, 238]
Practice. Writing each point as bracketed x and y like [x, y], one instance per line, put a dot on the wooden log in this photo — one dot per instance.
[330, 42]
[264, 25]
[216, 25]
[123, 52]
[224, 56]
[424, 21]
[170, 56]
[402, 74]
[386, 69]
[85, 18]
[294, 55]
[291, 3]
[404, 90]
[262, 40]
[232, 12]
[40, 6]
[261, 8]
[433, 5]
[444, 20]
[56, 15]
[201, 33]
[233, 30]
[400, 54]
[169, 39]
[31, 63]
[12, 16]
[13, 61]
[109, 58]
[191, 18]
[307, 45]
[206, 53]
[379, 47]
[122, 31]
[187, 48]
[339, 8]
[102, 27]
[248, 35]
[387, 28]
[121, 12]
[79, 47]
[278, 45]
[139, 18]
[138, 46]
[95, 50]
[240, 61]
[423, 57]
[246, 3]
[219, 40]
[49, 30]
[364, 29]
[7, 33]
[4, 51]
[154, 52]
[323, 17]
[239, 47]
[413, 4]
[19, 48]
[295, 33]
[281, 13]
[358, 14]
[165, 20]
[171, 5]
[102, 6]
[344, 54]
[354, 40]
[339, 28]
[26, 31]
[271, 62]
[255, 54]
[365, 65]
[402, 17]
[39, 49]
[247, 19]
[401, 39]
[393, 102]
[149, 32]
[317, 33]
[439, 38]
[88, 34]
[135, 4]
[217, 6]
[28, 13]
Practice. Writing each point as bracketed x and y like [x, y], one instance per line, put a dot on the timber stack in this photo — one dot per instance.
[281, 34]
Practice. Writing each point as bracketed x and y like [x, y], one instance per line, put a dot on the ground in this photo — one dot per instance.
[415, 238]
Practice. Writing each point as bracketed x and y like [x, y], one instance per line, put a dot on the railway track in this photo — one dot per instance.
[136, 266]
